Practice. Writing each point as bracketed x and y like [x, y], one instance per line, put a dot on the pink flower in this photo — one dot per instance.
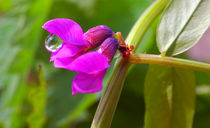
[74, 42]
[69, 45]
[91, 67]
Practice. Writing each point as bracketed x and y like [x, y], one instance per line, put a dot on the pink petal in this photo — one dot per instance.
[63, 63]
[67, 51]
[74, 91]
[68, 30]
[89, 63]
[53, 56]
[88, 83]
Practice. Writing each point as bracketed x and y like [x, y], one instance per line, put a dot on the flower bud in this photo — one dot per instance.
[108, 48]
[96, 35]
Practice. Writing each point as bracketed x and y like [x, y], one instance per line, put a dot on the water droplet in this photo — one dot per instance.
[53, 43]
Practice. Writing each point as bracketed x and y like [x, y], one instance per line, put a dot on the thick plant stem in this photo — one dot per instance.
[144, 22]
[108, 103]
[171, 61]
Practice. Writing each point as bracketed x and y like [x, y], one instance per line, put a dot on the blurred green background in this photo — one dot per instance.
[29, 99]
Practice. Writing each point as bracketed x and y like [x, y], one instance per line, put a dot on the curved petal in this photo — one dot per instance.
[67, 51]
[68, 30]
[62, 63]
[88, 83]
[74, 91]
[53, 56]
[89, 63]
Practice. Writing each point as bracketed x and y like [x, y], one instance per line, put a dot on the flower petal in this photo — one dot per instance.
[68, 30]
[88, 83]
[67, 51]
[53, 56]
[89, 63]
[74, 91]
[62, 63]
[96, 35]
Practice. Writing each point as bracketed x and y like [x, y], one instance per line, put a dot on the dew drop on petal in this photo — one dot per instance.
[53, 43]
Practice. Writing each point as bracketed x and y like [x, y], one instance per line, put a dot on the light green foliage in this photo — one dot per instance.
[182, 25]
[170, 97]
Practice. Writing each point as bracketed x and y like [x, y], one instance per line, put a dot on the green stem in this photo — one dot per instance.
[144, 22]
[177, 62]
[108, 103]
[110, 98]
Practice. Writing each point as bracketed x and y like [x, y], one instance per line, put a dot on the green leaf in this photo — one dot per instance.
[182, 25]
[169, 97]
[38, 100]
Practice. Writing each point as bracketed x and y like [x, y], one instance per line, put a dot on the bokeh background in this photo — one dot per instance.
[26, 101]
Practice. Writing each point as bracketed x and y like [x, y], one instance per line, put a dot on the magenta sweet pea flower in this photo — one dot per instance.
[92, 66]
[67, 41]
[69, 45]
